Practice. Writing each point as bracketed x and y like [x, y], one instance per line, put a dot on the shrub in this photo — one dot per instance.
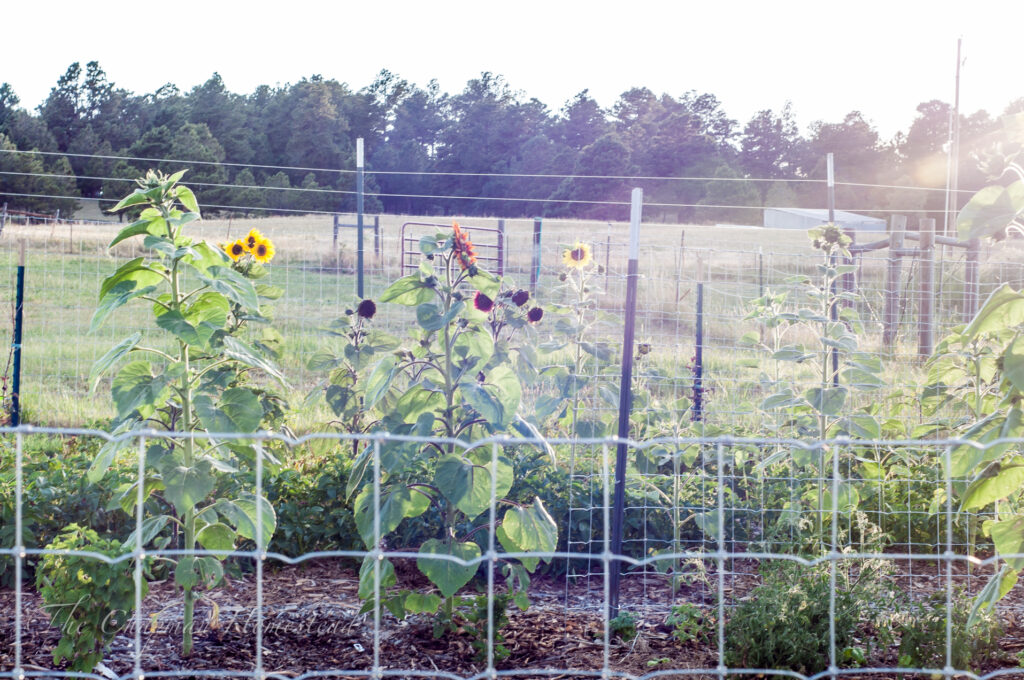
[922, 629]
[784, 625]
[88, 599]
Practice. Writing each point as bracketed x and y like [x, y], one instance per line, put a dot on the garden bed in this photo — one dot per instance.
[312, 622]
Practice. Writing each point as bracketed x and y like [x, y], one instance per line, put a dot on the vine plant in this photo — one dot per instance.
[195, 383]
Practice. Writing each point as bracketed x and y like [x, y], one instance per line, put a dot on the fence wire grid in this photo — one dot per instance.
[725, 549]
[66, 263]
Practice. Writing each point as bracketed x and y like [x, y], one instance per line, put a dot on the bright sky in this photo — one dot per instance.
[828, 58]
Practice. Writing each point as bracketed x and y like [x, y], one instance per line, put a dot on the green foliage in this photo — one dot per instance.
[922, 630]
[784, 623]
[624, 627]
[57, 493]
[690, 623]
[89, 600]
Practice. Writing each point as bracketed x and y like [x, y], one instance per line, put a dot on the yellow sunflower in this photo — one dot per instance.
[263, 251]
[252, 239]
[236, 250]
[577, 257]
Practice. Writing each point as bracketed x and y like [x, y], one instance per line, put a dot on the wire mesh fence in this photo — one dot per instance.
[725, 526]
[66, 264]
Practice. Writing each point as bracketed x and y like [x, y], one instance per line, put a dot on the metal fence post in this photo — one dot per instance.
[376, 237]
[927, 299]
[335, 240]
[535, 262]
[972, 280]
[697, 414]
[359, 217]
[501, 247]
[18, 321]
[625, 400]
[897, 230]
[3, 218]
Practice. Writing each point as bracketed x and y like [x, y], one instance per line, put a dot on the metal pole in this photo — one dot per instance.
[833, 312]
[625, 399]
[501, 247]
[18, 308]
[3, 218]
[535, 264]
[359, 217]
[927, 249]
[971, 292]
[335, 232]
[897, 229]
[698, 360]
[376, 237]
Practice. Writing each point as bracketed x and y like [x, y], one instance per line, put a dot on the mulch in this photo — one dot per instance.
[312, 622]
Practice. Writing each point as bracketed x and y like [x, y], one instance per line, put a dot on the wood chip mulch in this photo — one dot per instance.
[312, 622]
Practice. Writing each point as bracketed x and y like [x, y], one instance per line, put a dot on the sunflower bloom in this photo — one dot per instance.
[263, 251]
[252, 239]
[236, 250]
[577, 257]
[482, 302]
[463, 248]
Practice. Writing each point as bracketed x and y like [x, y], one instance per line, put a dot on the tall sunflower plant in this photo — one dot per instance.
[205, 376]
[457, 378]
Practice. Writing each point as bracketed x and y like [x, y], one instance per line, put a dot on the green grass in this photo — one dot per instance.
[66, 264]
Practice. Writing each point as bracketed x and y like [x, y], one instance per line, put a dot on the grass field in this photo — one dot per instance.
[66, 264]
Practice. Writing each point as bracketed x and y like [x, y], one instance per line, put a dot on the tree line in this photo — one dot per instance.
[470, 153]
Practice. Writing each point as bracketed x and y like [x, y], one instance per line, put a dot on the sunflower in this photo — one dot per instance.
[577, 257]
[252, 239]
[366, 309]
[483, 302]
[236, 250]
[263, 250]
[462, 248]
[535, 315]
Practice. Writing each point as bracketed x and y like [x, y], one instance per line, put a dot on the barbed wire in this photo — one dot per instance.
[510, 175]
[438, 197]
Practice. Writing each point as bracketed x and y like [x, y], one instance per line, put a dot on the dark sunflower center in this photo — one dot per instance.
[577, 254]
[261, 250]
[236, 249]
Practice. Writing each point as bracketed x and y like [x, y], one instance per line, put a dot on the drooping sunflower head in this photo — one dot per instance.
[263, 250]
[252, 239]
[577, 257]
[462, 248]
[535, 315]
[482, 302]
[236, 249]
[366, 309]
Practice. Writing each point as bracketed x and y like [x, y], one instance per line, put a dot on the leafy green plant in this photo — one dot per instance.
[89, 600]
[784, 624]
[922, 629]
[623, 627]
[204, 299]
[690, 623]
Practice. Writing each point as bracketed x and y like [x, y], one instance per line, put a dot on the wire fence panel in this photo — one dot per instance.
[735, 550]
[67, 263]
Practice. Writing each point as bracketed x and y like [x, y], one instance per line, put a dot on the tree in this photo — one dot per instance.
[246, 194]
[731, 193]
[62, 109]
[606, 156]
[770, 145]
[8, 105]
[223, 113]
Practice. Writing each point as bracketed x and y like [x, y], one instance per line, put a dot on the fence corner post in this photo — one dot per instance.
[502, 250]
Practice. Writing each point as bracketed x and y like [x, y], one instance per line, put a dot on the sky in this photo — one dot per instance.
[827, 58]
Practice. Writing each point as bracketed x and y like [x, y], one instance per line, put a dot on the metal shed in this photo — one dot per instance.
[803, 218]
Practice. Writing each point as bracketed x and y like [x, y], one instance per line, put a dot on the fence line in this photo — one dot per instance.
[716, 469]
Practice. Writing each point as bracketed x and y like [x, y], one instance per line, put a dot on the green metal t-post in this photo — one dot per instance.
[535, 262]
[359, 217]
